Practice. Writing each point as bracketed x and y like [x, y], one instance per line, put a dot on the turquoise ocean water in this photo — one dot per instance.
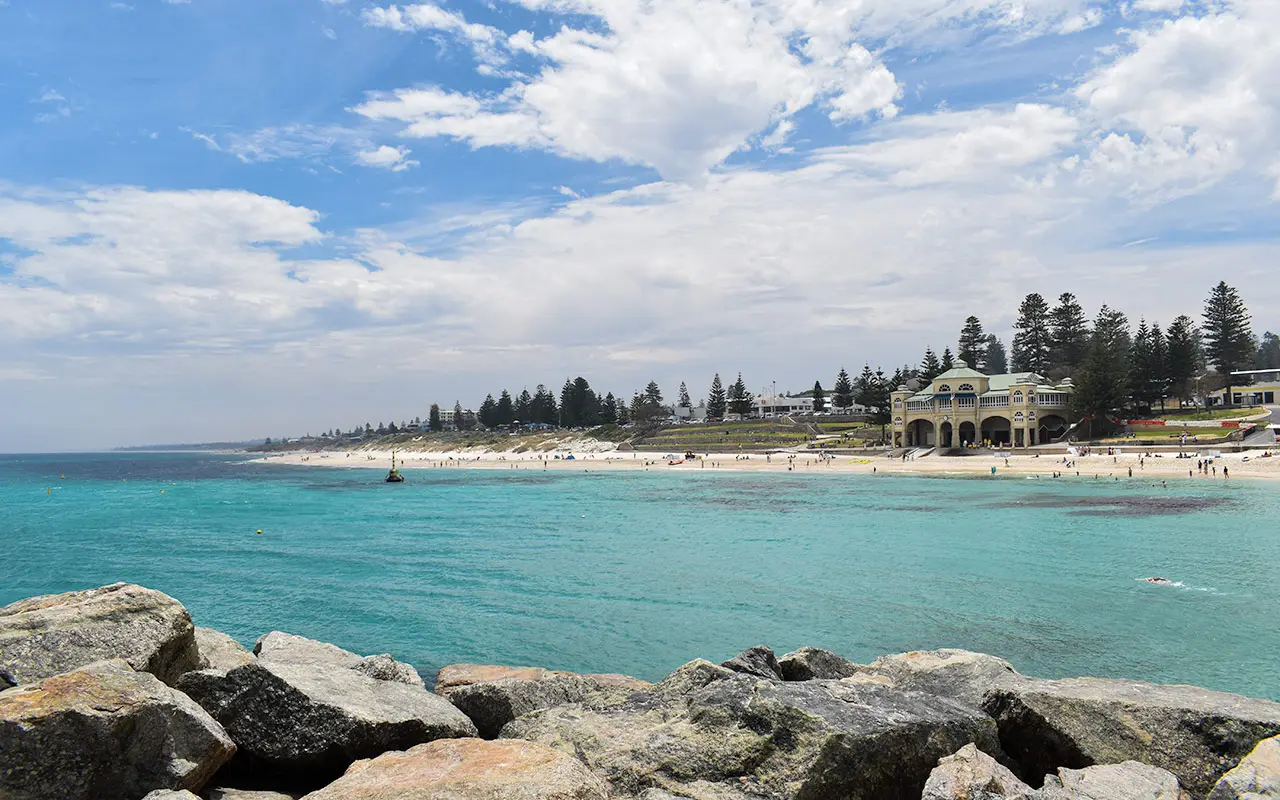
[642, 572]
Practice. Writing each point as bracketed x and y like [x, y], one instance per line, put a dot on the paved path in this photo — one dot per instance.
[1264, 434]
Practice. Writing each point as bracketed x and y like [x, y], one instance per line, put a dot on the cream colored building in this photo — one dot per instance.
[963, 407]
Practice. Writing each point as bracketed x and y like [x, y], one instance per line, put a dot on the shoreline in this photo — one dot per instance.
[1123, 466]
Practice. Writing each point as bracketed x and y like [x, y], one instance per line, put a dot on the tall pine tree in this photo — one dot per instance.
[717, 405]
[433, 419]
[1102, 382]
[1228, 333]
[683, 398]
[485, 415]
[1183, 356]
[1148, 371]
[504, 412]
[842, 395]
[1033, 342]
[996, 361]
[930, 366]
[740, 400]
[864, 388]
[1070, 336]
[878, 401]
[819, 397]
[523, 410]
[972, 350]
[1268, 356]
[948, 360]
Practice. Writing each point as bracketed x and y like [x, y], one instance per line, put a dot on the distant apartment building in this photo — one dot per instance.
[450, 424]
[963, 407]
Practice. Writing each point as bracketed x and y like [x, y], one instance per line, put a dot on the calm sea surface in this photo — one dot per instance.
[640, 573]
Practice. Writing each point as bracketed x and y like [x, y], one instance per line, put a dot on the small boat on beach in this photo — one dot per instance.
[394, 475]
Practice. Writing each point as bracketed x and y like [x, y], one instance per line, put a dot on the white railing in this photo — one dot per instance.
[966, 402]
[920, 405]
[998, 401]
[1052, 399]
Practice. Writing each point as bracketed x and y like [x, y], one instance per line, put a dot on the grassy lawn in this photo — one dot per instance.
[1207, 414]
[843, 427]
[1173, 435]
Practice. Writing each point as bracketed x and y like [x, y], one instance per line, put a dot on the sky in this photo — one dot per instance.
[227, 219]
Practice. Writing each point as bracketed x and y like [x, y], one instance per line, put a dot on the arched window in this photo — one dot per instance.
[1017, 417]
[1032, 416]
[897, 402]
[965, 387]
[897, 420]
[1017, 397]
[944, 388]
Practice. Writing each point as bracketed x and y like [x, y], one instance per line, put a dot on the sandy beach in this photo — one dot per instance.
[1124, 465]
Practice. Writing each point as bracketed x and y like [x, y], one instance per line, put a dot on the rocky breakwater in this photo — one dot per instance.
[118, 695]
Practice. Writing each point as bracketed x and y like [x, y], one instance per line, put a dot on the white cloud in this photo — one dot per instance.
[395, 159]
[681, 85]
[1159, 5]
[677, 86]
[951, 146]
[1191, 101]
[485, 40]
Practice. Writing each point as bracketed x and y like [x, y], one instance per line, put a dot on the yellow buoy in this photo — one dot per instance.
[259, 531]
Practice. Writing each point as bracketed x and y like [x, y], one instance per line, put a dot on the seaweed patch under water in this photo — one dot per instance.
[1135, 506]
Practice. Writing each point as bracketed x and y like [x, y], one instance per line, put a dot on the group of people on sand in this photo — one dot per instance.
[1206, 466]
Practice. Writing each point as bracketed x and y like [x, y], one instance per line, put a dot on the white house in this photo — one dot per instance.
[697, 413]
[766, 405]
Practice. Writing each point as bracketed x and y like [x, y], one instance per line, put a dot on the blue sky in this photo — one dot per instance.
[234, 218]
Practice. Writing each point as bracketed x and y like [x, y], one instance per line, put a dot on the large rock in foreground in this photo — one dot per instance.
[759, 661]
[1196, 734]
[102, 731]
[49, 635]
[957, 674]
[808, 663]
[492, 696]
[710, 732]
[467, 769]
[216, 650]
[1127, 781]
[307, 706]
[1257, 777]
[971, 774]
